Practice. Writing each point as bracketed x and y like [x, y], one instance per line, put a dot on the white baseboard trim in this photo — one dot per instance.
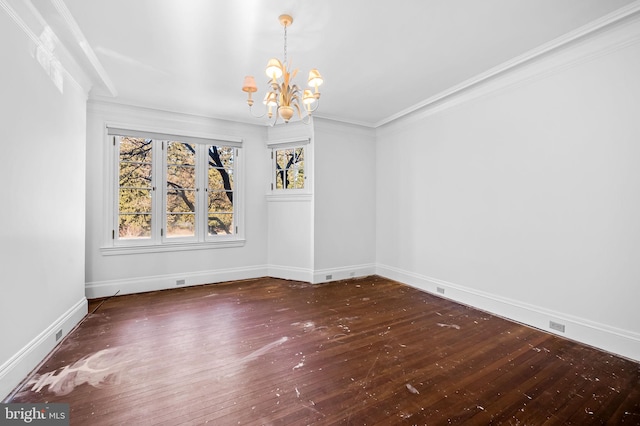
[14, 371]
[162, 282]
[290, 273]
[611, 339]
[108, 288]
[343, 273]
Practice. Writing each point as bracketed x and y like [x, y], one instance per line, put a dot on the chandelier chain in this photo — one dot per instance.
[285, 44]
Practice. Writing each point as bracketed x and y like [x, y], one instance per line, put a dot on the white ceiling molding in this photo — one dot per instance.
[82, 42]
[31, 22]
[606, 22]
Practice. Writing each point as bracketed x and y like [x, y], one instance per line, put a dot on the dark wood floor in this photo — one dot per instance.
[357, 352]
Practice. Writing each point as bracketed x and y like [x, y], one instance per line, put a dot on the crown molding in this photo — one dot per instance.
[606, 22]
[72, 27]
[72, 49]
[31, 23]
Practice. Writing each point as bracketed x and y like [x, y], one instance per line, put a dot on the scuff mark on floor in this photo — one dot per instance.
[456, 326]
[266, 348]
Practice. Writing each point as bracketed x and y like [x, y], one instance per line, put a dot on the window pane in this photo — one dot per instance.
[290, 168]
[135, 174]
[279, 179]
[220, 224]
[220, 179]
[295, 179]
[134, 187]
[220, 202]
[220, 190]
[181, 225]
[181, 176]
[181, 153]
[135, 200]
[221, 156]
[181, 201]
[136, 150]
[134, 226]
[181, 189]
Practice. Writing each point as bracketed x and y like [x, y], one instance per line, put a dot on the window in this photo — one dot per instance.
[135, 187]
[290, 165]
[171, 190]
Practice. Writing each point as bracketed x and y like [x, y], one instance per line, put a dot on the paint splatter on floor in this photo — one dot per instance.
[100, 369]
[456, 326]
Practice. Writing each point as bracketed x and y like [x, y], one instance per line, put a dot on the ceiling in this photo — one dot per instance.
[378, 59]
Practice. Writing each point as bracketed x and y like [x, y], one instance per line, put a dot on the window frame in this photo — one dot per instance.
[159, 240]
[293, 143]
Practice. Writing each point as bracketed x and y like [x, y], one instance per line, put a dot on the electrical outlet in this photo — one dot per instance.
[329, 277]
[180, 282]
[440, 290]
[556, 326]
[58, 335]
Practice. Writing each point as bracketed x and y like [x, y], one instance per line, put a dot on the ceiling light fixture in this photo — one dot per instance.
[283, 95]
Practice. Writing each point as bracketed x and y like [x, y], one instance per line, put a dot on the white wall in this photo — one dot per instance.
[525, 199]
[344, 200]
[128, 273]
[42, 135]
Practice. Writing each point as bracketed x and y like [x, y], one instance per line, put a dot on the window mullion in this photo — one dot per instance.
[201, 195]
[159, 180]
[115, 141]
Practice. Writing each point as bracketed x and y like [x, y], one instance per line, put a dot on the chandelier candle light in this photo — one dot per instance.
[283, 95]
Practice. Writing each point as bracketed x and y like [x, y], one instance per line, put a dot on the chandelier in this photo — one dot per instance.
[283, 95]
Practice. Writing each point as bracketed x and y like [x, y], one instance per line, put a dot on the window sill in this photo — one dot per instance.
[170, 247]
[282, 196]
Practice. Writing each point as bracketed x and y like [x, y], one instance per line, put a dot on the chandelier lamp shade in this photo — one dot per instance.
[284, 98]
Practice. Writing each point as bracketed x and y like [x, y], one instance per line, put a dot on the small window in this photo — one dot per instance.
[289, 168]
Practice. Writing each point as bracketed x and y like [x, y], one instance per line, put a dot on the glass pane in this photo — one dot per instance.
[181, 225]
[181, 153]
[134, 226]
[137, 175]
[136, 150]
[220, 202]
[220, 224]
[181, 201]
[221, 156]
[134, 192]
[295, 179]
[135, 201]
[220, 179]
[279, 179]
[283, 156]
[220, 189]
[182, 176]
[181, 194]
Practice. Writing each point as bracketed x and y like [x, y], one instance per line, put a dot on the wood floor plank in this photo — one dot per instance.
[364, 351]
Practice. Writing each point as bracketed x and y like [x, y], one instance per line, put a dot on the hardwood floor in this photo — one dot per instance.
[357, 352]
